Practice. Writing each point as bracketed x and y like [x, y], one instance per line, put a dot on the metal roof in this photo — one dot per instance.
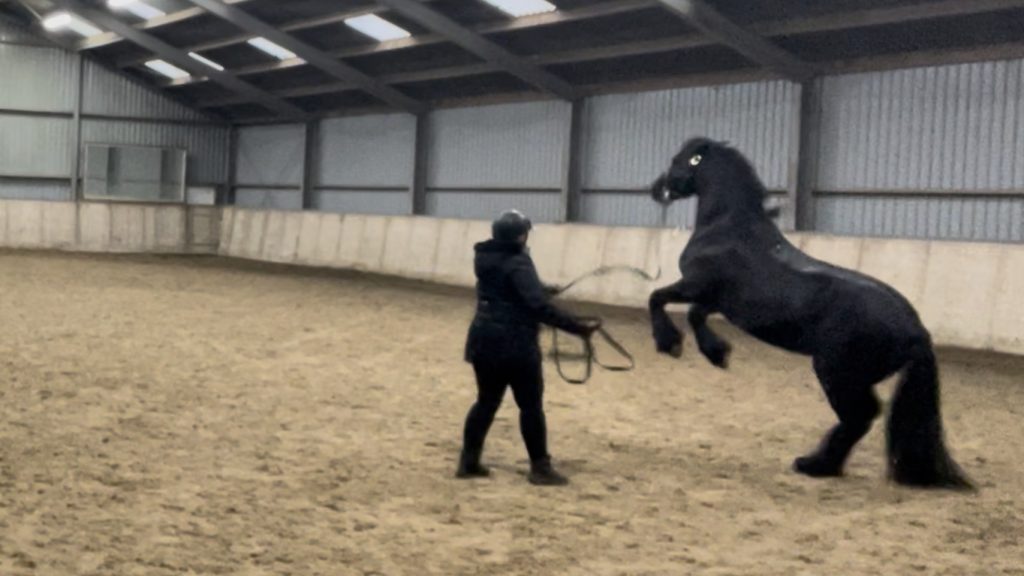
[465, 52]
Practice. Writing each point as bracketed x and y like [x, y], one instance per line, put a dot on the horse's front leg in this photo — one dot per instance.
[667, 337]
[711, 345]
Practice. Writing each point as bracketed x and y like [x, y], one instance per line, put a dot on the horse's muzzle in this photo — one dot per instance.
[660, 191]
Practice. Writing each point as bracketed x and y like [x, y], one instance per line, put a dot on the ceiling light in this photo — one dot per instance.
[167, 69]
[273, 49]
[140, 9]
[519, 8]
[377, 28]
[206, 61]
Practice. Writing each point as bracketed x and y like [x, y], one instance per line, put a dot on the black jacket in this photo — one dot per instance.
[511, 305]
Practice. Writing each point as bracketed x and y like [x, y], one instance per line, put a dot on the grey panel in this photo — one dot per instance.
[36, 79]
[363, 202]
[630, 138]
[35, 146]
[632, 209]
[109, 94]
[268, 199]
[506, 146]
[271, 155]
[954, 218]
[206, 145]
[540, 207]
[53, 190]
[941, 128]
[367, 151]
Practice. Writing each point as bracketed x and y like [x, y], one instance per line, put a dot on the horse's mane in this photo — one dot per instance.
[742, 176]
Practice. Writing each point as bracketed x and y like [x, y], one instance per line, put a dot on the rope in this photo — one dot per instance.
[589, 353]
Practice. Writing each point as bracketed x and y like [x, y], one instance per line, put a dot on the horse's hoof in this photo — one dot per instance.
[673, 350]
[718, 354]
[815, 468]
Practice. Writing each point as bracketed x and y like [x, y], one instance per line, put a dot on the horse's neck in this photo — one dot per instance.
[721, 221]
[731, 199]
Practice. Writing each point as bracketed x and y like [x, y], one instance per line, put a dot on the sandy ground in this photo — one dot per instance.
[174, 416]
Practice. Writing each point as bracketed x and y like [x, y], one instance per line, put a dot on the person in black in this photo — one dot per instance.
[502, 346]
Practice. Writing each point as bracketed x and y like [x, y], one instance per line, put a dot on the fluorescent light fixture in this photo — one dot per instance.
[520, 8]
[377, 28]
[65, 21]
[273, 49]
[206, 61]
[167, 69]
[140, 9]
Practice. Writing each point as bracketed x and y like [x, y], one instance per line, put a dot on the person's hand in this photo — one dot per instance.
[590, 325]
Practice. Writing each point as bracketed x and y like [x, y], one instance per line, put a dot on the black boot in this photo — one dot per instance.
[470, 467]
[543, 474]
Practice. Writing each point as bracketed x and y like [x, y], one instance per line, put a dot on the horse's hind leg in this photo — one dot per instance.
[853, 399]
[711, 345]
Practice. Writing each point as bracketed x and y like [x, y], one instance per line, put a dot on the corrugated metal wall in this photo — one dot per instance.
[38, 95]
[268, 198]
[37, 79]
[207, 146]
[35, 146]
[108, 94]
[37, 100]
[955, 133]
[630, 138]
[365, 164]
[487, 159]
[270, 155]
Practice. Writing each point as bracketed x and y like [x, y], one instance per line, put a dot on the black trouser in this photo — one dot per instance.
[527, 382]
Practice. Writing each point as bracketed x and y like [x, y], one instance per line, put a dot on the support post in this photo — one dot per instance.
[571, 172]
[805, 170]
[311, 159]
[418, 186]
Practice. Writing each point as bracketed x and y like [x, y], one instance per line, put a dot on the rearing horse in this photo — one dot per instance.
[858, 330]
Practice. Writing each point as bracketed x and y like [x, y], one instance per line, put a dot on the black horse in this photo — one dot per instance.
[858, 330]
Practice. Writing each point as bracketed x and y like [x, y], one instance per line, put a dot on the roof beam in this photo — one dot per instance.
[884, 16]
[712, 24]
[607, 8]
[485, 49]
[806, 25]
[314, 56]
[178, 58]
[108, 38]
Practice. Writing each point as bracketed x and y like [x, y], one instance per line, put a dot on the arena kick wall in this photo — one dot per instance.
[966, 293]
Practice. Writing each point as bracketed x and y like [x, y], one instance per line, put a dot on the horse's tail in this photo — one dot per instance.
[917, 451]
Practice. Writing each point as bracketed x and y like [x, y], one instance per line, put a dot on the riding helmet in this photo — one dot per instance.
[510, 226]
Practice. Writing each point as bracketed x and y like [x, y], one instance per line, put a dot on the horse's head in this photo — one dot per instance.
[679, 181]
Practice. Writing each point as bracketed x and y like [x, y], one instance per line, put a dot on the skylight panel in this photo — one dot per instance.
[167, 69]
[57, 21]
[207, 61]
[140, 9]
[377, 28]
[66, 21]
[274, 50]
[520, 8]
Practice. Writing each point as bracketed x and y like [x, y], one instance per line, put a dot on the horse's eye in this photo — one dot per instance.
[695, 160]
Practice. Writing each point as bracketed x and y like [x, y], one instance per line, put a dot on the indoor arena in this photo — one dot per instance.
[265, 265]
